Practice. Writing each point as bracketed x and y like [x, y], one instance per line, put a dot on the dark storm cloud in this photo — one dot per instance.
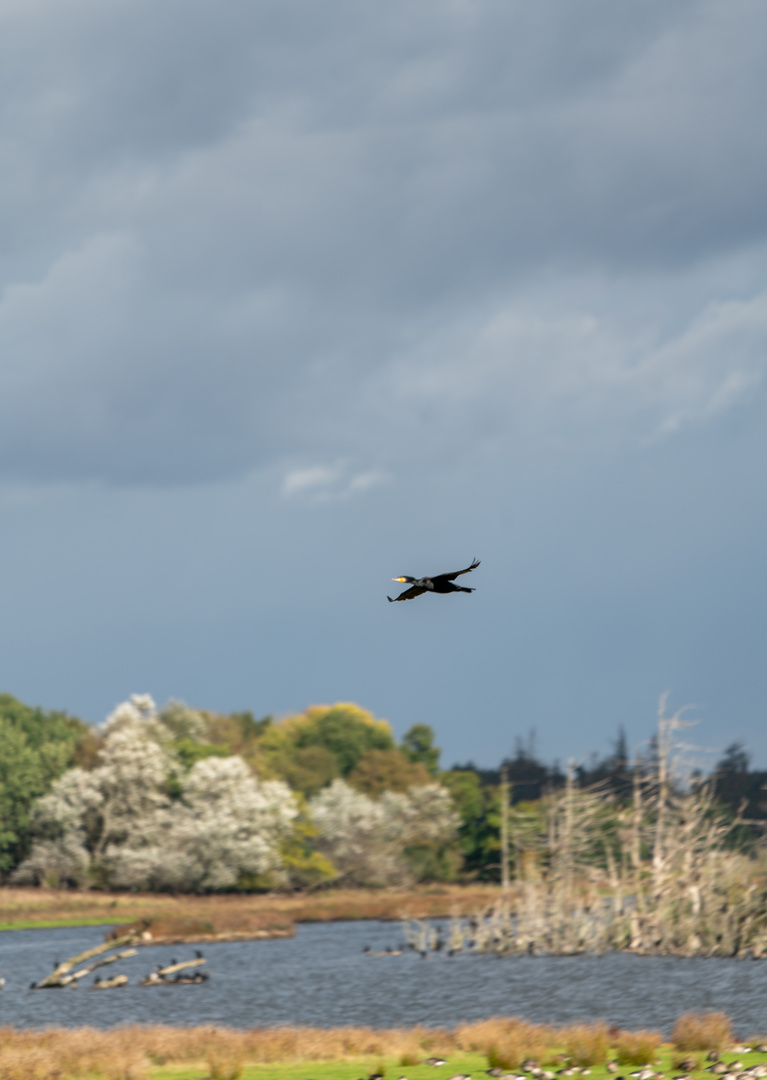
[342, 235]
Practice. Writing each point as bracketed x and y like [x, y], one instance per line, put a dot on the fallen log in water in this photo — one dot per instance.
[161, 976]
[154, 979]
[67, 980]
[110, 984]
[180, 967]
[63, 976]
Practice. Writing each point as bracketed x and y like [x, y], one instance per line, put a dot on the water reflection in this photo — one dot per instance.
[322, 977]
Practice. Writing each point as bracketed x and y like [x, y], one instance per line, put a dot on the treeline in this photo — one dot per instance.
[182, 799]
[187, 799]
[36, 747]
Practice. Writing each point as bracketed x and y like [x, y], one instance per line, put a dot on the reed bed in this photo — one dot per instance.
[131, 1052]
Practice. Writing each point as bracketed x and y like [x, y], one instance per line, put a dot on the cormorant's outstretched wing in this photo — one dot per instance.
[408, 594]
[452, 577]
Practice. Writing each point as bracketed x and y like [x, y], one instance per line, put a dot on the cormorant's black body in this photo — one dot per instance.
[442, 583]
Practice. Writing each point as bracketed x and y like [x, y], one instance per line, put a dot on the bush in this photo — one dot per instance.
[223, 1065]
[702, 1031]
[509, 1042]
[637, 1047]
[586, 1044]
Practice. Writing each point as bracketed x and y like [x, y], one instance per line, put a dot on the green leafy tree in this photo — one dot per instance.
[387, 770]
[480, 826]
[418, 746]
[35, 748]
[347, 731]
[315, 747]
[308, 769]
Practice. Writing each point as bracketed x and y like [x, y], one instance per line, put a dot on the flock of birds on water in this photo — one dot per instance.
[439, 946]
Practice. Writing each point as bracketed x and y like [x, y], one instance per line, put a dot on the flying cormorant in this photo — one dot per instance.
[442, 583]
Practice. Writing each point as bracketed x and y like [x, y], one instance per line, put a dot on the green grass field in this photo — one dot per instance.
[474, 1065]
[53, 924]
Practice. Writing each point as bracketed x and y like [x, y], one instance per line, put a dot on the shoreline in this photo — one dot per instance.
[190, 919]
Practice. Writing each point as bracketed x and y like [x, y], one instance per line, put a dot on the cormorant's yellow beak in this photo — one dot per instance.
[398, 579]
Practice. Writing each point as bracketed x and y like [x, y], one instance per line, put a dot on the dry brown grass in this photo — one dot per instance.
[128, 1053]
[178, 916]
[506, 1042]
[57, 1053]
[223, 1065]
[702, 1031]
[637, 1047]
[586, 1044]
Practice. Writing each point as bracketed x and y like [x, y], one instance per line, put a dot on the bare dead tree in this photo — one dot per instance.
[655, 876]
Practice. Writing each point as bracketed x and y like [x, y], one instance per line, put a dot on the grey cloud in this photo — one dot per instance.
[315, 234]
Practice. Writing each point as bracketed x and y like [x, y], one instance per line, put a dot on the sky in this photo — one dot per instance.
[296, 298]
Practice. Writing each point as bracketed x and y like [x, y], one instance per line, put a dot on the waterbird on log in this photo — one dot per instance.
[62, 975]
[440, 583]
[110, 984]
[162, 975]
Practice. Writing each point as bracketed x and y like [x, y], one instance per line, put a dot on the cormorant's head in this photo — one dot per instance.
[404, 578]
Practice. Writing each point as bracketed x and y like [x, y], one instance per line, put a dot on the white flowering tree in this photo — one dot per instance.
[226, 825]
[366, 838]
[355, 835]
[87, 812]
[120, 825]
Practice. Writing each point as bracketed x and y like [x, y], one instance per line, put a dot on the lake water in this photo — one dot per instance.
[322, 978]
